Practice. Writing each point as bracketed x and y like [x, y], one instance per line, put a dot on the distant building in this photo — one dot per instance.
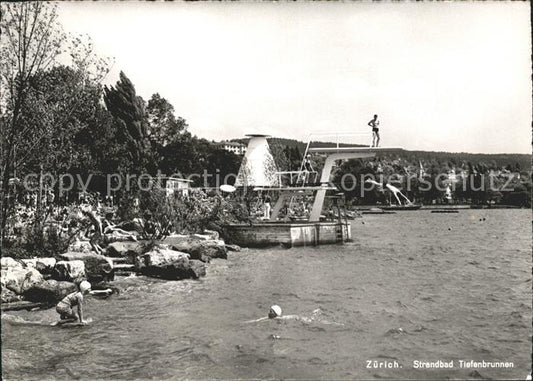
[236, 148]
[171, 185]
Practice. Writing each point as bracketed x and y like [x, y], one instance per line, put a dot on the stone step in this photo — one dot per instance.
[22, 305]
[124, 266]
[118, 260]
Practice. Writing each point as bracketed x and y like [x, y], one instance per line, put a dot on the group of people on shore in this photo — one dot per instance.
[85, 220]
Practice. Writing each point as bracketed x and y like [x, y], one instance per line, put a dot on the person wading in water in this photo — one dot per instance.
[65, 308]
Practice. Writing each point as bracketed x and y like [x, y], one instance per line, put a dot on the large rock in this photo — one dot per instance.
[69, 270]
[50, 291]
[19, 279]
[181, 268]
[98, 268]
[198, 248]
[44, 265]
[9, 296]
[197, 268]
[10, 262]
[233, 247]
[158, 257]
[169, 264]
[209, 235]
[125, 249]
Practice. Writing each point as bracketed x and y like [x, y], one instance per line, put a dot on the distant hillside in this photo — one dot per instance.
[520, 162]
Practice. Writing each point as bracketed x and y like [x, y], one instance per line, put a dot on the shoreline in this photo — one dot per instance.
[40, 283]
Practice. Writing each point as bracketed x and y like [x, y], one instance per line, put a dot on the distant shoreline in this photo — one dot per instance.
[454, 206]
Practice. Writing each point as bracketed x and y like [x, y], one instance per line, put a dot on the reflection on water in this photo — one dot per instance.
[412, 286]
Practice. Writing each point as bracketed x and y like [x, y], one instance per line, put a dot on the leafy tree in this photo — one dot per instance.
[41, 108]
[128, 111]
[185, 155]
[31, 41]
[62, 104]
[279, 154]
[222, 163]
[163, 126]
[294, 157]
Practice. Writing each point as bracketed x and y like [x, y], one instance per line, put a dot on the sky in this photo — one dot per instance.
[440, 76]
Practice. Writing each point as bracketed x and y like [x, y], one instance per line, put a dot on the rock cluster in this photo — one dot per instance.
[169, 264]
[48, 280]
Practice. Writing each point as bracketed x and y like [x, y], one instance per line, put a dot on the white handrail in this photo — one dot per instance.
[298, 174]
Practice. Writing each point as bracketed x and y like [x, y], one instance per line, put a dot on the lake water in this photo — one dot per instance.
[406, 289]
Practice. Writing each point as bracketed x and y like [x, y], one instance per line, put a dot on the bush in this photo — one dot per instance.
[195, 211]
[42, 235]
[184, 213]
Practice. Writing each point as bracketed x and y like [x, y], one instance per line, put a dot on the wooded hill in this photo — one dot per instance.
[510, 161]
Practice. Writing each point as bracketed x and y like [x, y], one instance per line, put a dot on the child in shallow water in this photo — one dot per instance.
[65, 307]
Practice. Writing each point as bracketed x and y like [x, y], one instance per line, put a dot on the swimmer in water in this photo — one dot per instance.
[275, 312]
[65, 307]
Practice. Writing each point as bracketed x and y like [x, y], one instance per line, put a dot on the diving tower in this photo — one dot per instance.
[257, 171]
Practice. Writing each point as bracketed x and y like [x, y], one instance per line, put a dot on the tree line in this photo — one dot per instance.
[57, 117]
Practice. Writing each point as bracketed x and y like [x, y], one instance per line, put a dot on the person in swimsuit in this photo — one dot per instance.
[275, 313]
[307, 167]
[374, 123]
[97, 236]
[65, 307]
[109, 228]
[267, 207]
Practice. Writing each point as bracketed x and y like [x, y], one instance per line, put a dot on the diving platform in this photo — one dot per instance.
[296, 217]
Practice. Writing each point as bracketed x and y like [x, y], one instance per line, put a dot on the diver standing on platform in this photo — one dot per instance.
[374, 123]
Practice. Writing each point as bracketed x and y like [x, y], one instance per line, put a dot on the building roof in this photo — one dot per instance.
[234, 144]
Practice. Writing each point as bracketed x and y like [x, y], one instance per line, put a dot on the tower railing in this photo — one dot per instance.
[337, 136]
[294, 177]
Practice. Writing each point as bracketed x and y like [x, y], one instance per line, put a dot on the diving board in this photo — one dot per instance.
[354, 149]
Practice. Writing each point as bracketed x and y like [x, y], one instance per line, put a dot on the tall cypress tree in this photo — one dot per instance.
[129, 114]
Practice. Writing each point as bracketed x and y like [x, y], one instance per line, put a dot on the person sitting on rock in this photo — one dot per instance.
[110, 228]
[65, 307]
[150, 226]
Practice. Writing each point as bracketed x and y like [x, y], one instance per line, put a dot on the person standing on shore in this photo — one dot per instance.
[374, 123]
